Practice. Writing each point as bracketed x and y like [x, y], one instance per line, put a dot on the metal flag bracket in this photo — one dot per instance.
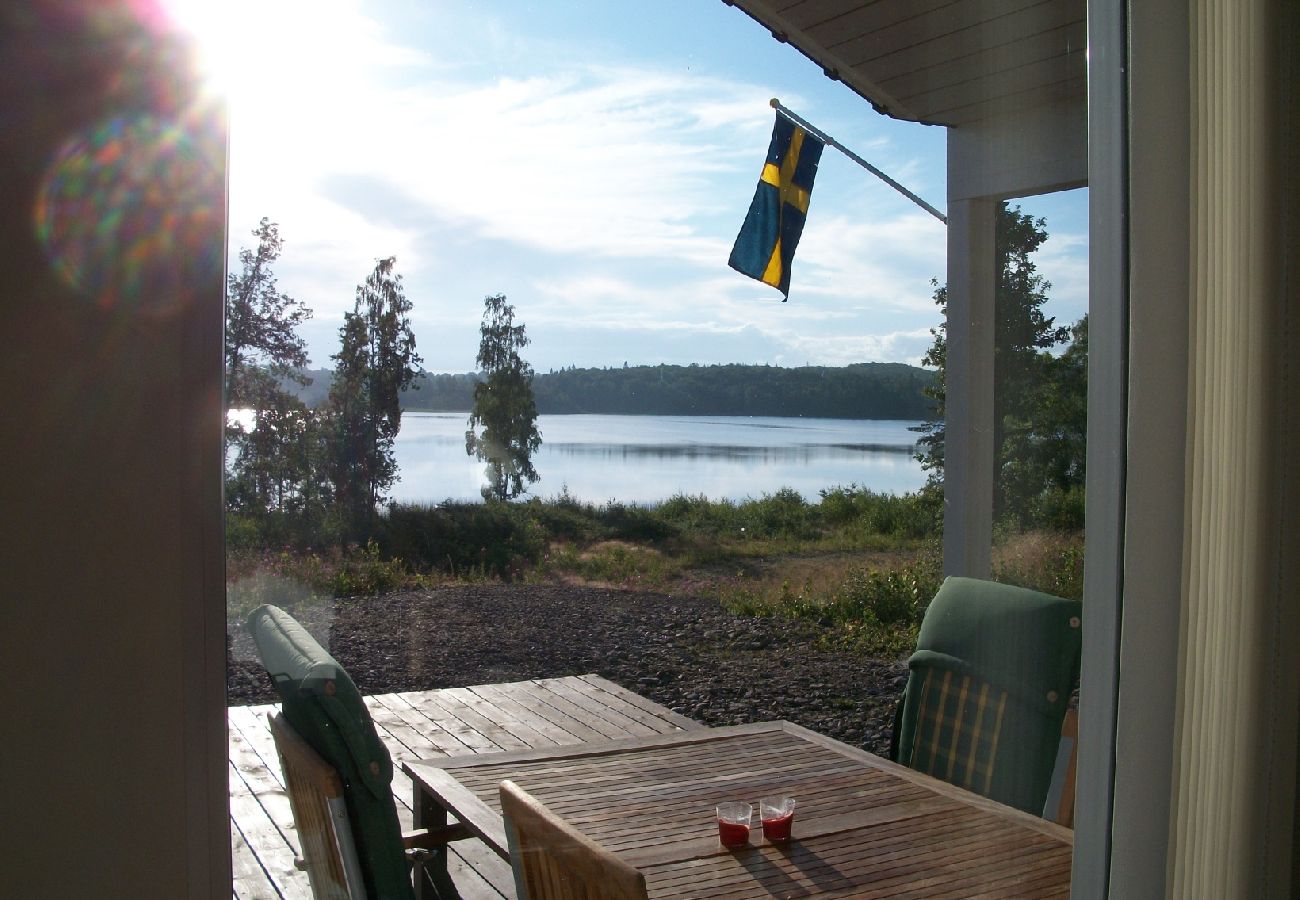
[827, 139]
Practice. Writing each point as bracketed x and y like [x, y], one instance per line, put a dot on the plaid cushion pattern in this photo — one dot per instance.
[958, 724]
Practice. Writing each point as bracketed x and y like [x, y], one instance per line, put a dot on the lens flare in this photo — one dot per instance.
[130, 213]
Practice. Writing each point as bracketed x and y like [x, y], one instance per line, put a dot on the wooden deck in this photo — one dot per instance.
[419, 725]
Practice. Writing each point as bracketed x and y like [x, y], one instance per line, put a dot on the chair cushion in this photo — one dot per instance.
[989, 686]
[323, 705]
[1024, 642]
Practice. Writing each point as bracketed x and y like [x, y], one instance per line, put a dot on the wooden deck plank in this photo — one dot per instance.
[506, 719]
[436, 741]
[551, 721]
[251, 880]
[591, 715]
[262, 776]
[659, 718]
[483, 872]
[427, 713]
[420, 725]
[395, 733]
[273, 850]
[252, 724]
[598, 706]
[476, 731]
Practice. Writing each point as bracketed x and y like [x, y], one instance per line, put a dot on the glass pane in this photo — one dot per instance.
[515, 445]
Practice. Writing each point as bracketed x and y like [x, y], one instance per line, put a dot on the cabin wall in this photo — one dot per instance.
[112, 652]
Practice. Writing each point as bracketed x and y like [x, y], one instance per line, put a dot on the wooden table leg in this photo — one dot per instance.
[432, 880]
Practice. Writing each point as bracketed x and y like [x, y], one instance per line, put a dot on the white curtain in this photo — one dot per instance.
[1235, 766]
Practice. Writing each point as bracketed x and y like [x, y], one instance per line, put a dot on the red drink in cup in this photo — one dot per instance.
[777, 815]
[733, 834]
[733, 823]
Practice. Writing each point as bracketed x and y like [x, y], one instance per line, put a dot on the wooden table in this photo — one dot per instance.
[484, 718]
[864, 827]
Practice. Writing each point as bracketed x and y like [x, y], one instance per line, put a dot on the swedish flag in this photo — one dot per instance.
[766, 243]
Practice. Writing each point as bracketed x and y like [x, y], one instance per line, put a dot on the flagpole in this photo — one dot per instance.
[827, 139]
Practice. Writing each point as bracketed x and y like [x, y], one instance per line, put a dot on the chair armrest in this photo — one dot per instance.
[419, 843]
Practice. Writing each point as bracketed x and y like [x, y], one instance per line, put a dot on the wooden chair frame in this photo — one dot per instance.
[552, 860]
[320, 814]
[1060, 796]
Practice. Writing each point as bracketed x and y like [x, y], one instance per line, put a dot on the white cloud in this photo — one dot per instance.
[843, 349]
[602, 162]
[1063, 260]
[799, 331]
[875, 262]
[608, 164]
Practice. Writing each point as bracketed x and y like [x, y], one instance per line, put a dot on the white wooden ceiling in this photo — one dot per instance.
[945, 62]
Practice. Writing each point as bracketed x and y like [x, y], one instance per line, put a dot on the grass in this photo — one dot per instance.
[865, 564]
[871, 605]
[1048, 561]
[294, 579]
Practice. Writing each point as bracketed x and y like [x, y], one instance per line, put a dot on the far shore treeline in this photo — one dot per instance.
[859, 391]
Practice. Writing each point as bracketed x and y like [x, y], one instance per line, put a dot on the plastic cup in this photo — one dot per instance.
[777, 816]
[733, 823]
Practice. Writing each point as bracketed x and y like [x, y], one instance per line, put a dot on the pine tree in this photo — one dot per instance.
[375, 363]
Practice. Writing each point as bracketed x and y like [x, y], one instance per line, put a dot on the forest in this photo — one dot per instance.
[859, 391]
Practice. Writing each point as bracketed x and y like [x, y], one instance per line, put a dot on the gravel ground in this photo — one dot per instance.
[686, 653]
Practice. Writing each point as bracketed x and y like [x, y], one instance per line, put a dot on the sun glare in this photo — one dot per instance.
[267, 52]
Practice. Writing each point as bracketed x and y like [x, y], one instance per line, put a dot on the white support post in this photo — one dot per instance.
[968, 451]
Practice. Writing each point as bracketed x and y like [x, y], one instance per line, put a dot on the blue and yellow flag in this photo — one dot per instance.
[765, 246]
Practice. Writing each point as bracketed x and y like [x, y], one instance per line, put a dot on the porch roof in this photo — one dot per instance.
[938, 61]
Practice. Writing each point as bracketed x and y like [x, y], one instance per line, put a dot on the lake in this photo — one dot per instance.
[647, 459]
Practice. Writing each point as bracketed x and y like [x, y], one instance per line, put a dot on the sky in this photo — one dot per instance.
[592, 161]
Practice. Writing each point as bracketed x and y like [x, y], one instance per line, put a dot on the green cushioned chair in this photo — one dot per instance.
[988, 689]
[323, 707]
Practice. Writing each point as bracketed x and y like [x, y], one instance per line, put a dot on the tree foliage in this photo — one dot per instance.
[272, 437]
[502, 429]
[859, 391]
[1039, 399]
[261, 321]
[1045, 442]
[375, 363]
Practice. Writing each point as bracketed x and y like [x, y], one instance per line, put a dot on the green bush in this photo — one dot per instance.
[274, 529]
[635, 523]
[242, 533]
[783, 514]
[842, 506]
[921, 516]
[878, 611]
[892, 598]
[1058, 571]
[1060, 509]
[914, 516]
[484, 539]
[365, 572]
[700, 514]
[564, 518]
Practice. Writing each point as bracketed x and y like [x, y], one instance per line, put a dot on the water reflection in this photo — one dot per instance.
[795, 453]
[646, 459]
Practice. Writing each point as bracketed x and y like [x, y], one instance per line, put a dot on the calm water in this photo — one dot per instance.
[646, 459]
